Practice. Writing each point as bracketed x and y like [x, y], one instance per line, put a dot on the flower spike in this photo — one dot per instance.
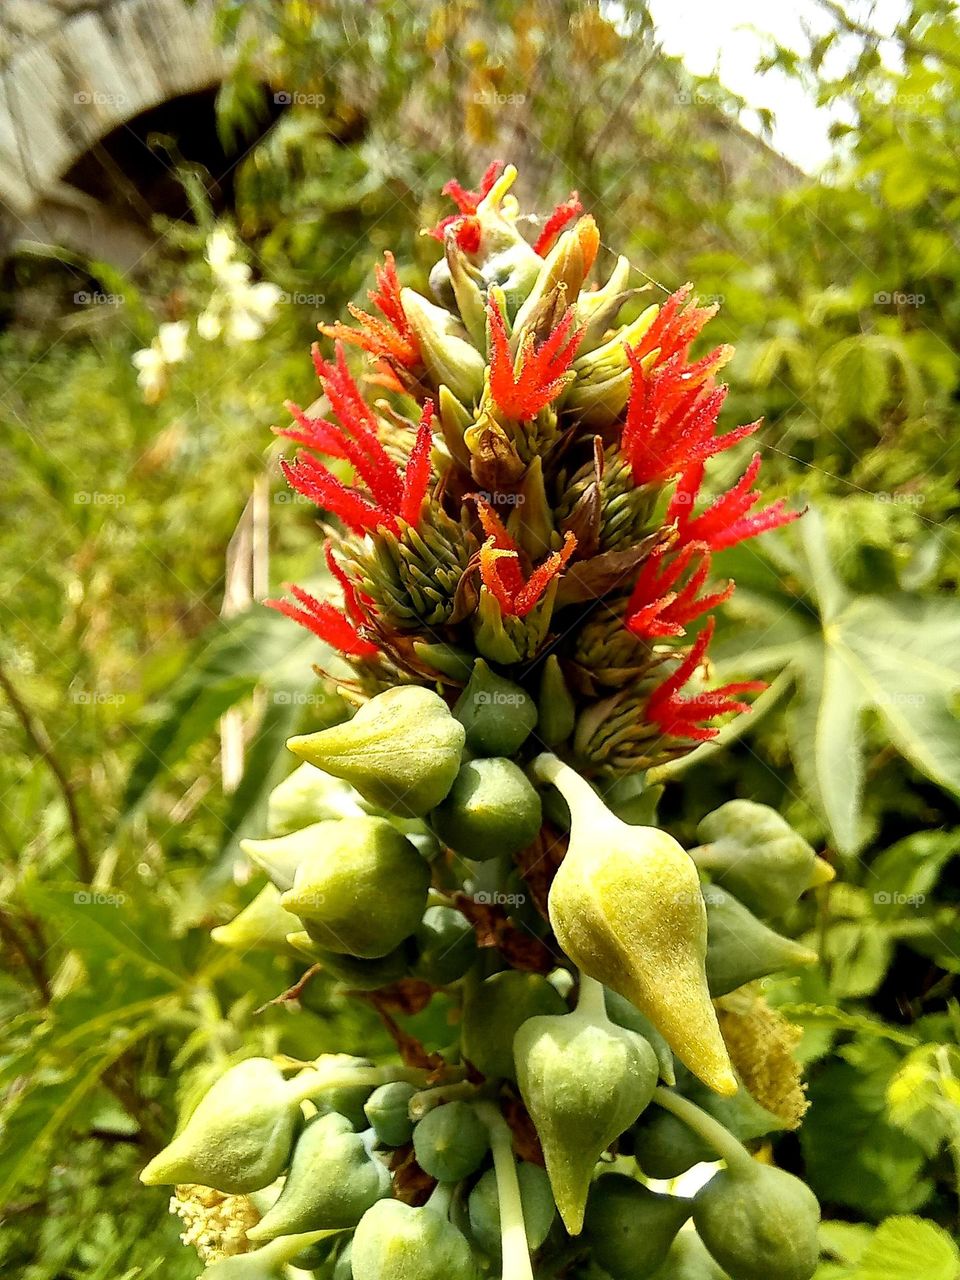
[655, 609]
[543, 369]
[683, 717]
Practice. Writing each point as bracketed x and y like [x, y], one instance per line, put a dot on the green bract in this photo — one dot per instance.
[238, 1139]
[450, 1142]
[494, 1010]
[497, 715]
[397, 1242]
[361, 889]
[753, 1214]
[539, 1210]
[332, 1181]
[401, 751]
[631, 1228]
[584, 1081]
[388, 1111]
[491, 810]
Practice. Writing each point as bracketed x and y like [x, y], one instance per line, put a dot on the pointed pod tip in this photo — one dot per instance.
[822, 873]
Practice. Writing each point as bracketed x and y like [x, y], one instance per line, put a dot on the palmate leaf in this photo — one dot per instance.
[896, 657]
[909, 1249]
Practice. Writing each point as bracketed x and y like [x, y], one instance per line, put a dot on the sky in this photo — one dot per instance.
[726, 37]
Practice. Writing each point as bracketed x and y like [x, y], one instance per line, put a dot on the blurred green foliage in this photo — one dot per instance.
[117, 837]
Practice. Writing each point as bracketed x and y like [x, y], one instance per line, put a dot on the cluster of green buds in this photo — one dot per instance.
[465, 842]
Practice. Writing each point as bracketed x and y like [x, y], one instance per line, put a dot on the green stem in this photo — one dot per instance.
[427, 1099]
[306, 1085]
[285, 1248]
[704, 1126]
[441, 1198]
[574, 789]
[513, 1232]
[591, 1001]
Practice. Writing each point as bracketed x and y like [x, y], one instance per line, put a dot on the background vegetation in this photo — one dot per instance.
[118, 837]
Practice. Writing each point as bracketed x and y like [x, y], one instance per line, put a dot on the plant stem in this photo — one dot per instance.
[513, 1232]
[309, 1083]
[427, 1099]
[591, 1002]
[727, 1147]
[574, 789]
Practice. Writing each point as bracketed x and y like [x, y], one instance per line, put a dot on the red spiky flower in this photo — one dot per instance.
[391, 496]
[542, 369]
[500, 568]
[391, 339]
[340, 629]
[725, 522]
[563, 213]
[676, 325]
[466, 225]
[655, 609]
[685, 717]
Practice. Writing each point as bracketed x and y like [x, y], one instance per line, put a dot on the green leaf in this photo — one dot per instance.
[909, 1249]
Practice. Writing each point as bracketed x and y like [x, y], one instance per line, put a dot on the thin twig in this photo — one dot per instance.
[37, 733]
[10, 934]
[900, 36]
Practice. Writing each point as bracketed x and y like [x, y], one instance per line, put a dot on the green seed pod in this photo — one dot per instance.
[750, 850]
[627, 908]
[239, 1136]
[750, 1214]
[319, 1255]
[665, 1147]
[280, 857]
[492, 810]
[740, 948]
[450, 1142]
[497, 715]
[446, 946]
[309, 796]
[333, 1180]
[623, 1013]
[450, 357]
[557, 711]
[536, 1197]
[584, 1081]
[397, 1242]
[631, 1228]
[349, 1100]
[262, 925]
[362, 890]
[388, 1111]
[358, 975]
[401, 750]
[343, 1269]
[688, 1259]
[493, 1013]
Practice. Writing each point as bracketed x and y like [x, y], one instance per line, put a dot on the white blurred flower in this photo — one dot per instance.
[153, 363]
[238, 310]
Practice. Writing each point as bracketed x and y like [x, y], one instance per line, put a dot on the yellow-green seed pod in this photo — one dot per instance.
[584, 1081]
[395, 1241]
[309, 796]
[450, 357]
[401, 750]
[362, 889]
[631, 1228]
[741, 948]
[494, 1010]
[497, 715]
[492, 810]
[556, 709]
[627, 908]
[262, 925]
[238, 1139]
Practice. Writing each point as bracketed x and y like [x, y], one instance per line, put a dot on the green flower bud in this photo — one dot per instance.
[497, 715]
[740, 948]
[388, 1111]
[397, 1242]
[239, 1136]
[263, 925]
[584, 1081]
[750, 1214]
[281, 856]
[362, 890]
[493, 1012]
[597, 309]
[492, 810]
[348, 1101]
[623, 1013]
[343, 1267]
[604, 375]
[446, 946]
[631, 1228]
[450, 1142]
[449, 661]
[688, 1259]
[750, 850]
[539, 1210]
[557, 711]
[308, 796]
[450, 356]
[401, 750]
[664, 1147]
[333, 1180]
[359, 975]
[627, 908]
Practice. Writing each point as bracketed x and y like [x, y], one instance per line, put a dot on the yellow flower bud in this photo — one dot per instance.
[449, 355]
[627, 908]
